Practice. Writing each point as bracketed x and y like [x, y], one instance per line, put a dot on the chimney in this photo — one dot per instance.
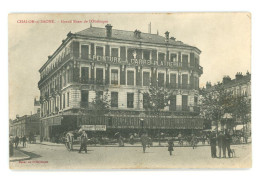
[172, 38]
[109, 30]
[226, 79]
[137, 34]
[208, 85]
[150, 28]
[167, 35]
[239, 75]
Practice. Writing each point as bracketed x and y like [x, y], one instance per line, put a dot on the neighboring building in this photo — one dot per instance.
[240, 86]
[37, 106]
[25, 125]
[124, 63]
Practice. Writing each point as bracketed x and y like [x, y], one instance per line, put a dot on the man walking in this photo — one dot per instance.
[83, 139]
[16, 141]
[24, 141]
[220, 143]
[144, 141]
[213, 144]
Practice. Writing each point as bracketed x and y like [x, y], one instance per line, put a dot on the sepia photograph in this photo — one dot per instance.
[129, 91]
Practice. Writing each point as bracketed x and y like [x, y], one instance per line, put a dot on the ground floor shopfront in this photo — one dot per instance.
[55, 126]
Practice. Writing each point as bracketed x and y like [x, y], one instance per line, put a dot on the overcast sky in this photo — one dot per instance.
[223, 38]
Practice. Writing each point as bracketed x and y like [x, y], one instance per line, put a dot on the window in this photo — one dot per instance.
[114, 76]
[130, 100]
[99, 76]
[184, 103]
[145, 100]
[130, 77]
[84, 74]
[99, 51]
[173, 83]
[84, 51]
[173, 57]
[146, 78]
[68, 99]
[161, 57]
[146, 54]
[172, 103]
[63, 100]
[185, 60]
[114, 52]
[161, 79]
[185, 81]
[84, 98]
[114, 99]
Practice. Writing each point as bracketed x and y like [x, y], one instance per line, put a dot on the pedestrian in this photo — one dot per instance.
[144, 141]
[16, 141]
[228, 141]
[121, 141]
[213, 144]
[193, 141]
[24, 141]
[170, 146]
[220, 143]
[131, 140]
[83, 140]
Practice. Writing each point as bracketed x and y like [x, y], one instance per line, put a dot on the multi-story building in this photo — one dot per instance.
[28, 124]
[124, 64]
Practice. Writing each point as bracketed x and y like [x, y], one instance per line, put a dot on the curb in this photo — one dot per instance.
[26, 157]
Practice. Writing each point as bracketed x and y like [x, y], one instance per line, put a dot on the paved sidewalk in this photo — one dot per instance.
[19, 155]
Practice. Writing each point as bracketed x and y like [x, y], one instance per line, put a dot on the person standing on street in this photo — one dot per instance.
[84, 140]
[220, 143]
[213, 144]
[24, 141]
[170, 146]
[16, 141]
[144, 141]
[228, 140]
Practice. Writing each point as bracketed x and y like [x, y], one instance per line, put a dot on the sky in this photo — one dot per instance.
[223, 38]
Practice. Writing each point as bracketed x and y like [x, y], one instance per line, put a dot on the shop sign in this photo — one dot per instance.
[93, 127]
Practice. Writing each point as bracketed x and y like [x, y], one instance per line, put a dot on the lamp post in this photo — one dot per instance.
[142, 124]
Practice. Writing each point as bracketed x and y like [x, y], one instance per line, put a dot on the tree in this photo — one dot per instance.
[241, 108]
[215, 103]
[100, 104]
[157, 99]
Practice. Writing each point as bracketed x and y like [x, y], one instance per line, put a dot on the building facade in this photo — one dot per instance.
[25, 126]
[124, 64]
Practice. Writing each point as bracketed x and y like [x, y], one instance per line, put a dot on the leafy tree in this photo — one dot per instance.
[241, 108]
[215, 103]
[100, 104]
[157, 99]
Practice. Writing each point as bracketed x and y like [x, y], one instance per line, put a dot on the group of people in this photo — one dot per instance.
[223, 141]
[20, 140]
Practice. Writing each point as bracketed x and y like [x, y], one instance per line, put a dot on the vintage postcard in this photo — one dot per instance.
[130, 91]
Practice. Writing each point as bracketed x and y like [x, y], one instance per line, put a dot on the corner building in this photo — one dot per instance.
[124, 64]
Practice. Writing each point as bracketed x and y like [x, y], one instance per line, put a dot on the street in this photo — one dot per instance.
[57, 157]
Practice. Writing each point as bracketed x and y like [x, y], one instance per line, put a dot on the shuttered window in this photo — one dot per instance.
[146, 78]
[130, 77]
[99, 76]
[99, 51]
[130, 100]
[161, 79]
[114, 52]
[114, 99]
[84, 51]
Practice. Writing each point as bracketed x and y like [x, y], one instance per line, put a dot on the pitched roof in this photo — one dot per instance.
[128, 35]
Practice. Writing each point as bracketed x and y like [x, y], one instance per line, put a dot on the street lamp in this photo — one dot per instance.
[142, 124]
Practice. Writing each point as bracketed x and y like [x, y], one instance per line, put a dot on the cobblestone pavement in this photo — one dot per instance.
[57, 157]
